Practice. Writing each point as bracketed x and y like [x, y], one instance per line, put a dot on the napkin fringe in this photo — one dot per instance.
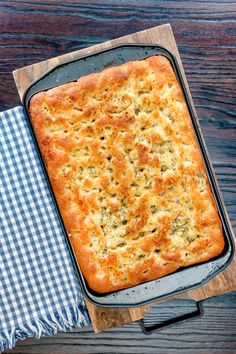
[48, 325]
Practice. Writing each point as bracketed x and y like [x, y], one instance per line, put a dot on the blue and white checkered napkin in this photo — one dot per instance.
[39, 291]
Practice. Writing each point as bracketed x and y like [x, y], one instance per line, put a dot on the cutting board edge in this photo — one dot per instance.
[85, 50]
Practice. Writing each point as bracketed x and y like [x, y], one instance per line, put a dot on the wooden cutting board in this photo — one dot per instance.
[103, 318]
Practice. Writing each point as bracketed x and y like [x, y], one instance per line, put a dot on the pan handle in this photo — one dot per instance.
[168, 323]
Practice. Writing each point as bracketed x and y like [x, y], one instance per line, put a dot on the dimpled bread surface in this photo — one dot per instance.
[128, 174]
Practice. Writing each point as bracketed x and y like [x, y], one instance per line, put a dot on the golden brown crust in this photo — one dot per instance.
[128, 174]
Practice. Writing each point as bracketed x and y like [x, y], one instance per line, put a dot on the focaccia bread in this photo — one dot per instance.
[128, 174]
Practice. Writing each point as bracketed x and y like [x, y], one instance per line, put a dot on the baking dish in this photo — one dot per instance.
[186, 278]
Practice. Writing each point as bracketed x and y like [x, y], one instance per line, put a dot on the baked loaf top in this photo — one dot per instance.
[127, 173]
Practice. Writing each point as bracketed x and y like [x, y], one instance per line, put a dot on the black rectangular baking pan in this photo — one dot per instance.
[184, 279]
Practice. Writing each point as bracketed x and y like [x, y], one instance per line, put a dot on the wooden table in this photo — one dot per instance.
[205, 32]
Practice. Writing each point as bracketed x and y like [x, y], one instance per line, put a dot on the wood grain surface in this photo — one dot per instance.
[213, 333]
[205, 32]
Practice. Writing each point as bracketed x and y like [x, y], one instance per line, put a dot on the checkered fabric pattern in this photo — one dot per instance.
[39, 291]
